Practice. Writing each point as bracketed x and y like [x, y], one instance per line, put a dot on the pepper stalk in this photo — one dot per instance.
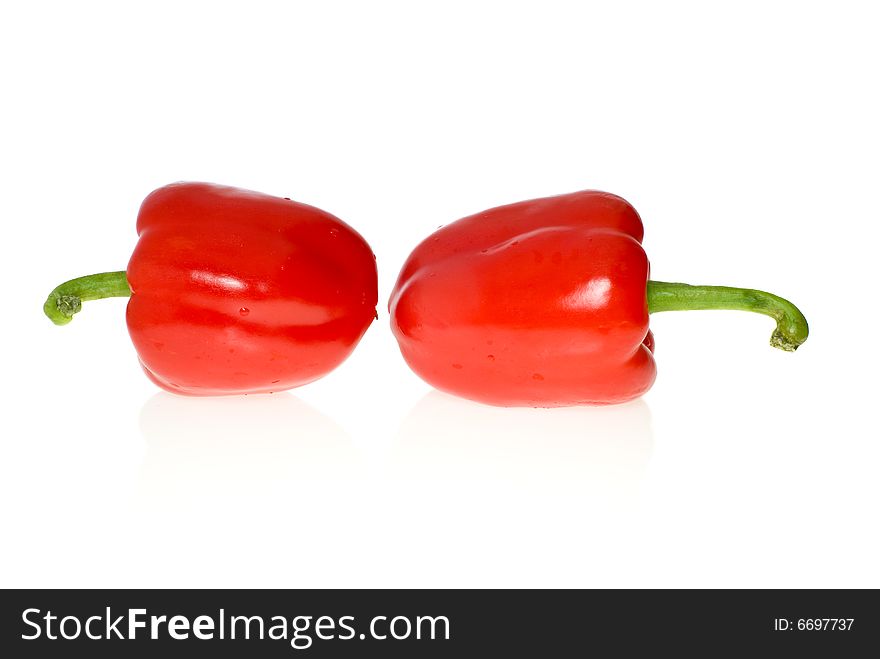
[791, 326]
[67, 298]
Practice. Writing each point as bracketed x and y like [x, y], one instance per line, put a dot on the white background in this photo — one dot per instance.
[747, 138]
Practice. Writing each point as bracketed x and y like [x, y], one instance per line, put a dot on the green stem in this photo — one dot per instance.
[67, 298]
[791, 326]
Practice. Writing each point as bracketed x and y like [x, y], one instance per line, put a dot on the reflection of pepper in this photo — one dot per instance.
[234, 291]
[545, 303]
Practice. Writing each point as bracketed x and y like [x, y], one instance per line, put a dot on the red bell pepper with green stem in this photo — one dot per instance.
[545, 303]
[234, 291]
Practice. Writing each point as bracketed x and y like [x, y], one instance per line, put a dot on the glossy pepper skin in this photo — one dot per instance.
[540, 303]
[234, 291]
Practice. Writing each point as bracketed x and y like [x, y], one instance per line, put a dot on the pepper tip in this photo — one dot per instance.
[60, 309]
[779, 340]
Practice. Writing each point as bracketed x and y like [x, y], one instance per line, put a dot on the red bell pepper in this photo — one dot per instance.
[545, 303]
[235, 291]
